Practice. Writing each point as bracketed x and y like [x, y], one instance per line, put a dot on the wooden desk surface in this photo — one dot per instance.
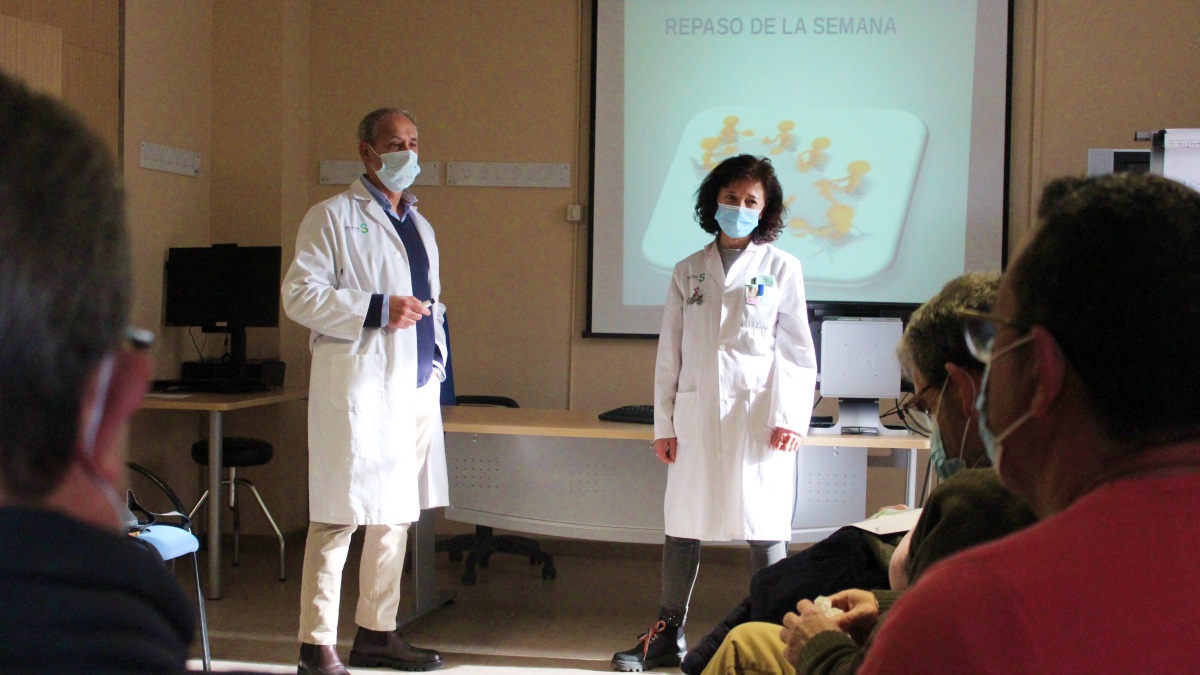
[581, 424]
[226, 402]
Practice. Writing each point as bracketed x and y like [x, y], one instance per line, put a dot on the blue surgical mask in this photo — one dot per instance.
[993, 444]
[399, 169]
[737, 222]
[945, 467]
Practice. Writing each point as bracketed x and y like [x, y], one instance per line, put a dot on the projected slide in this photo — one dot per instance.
[885, 122]
[847, 177]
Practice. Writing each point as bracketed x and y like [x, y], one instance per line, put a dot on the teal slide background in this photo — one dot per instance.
[899, 98]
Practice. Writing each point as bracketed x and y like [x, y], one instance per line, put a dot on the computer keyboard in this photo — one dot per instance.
[637, 414]
[228, 386]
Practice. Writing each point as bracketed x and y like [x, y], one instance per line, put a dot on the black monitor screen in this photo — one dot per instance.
[223, 286]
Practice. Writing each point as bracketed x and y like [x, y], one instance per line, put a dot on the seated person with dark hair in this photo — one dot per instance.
[968, 508]
[79, 595]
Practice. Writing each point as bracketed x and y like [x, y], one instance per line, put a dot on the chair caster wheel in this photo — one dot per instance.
[548, 572]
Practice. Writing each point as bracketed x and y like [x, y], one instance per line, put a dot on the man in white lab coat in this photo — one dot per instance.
[366, 281]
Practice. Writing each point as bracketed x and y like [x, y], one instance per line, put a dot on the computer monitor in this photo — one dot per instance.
[859, 366]
[224, 288]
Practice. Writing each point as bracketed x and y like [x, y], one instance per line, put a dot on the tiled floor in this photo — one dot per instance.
[604, 596]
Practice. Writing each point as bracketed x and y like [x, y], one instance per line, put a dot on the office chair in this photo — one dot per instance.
[480, 546]
[173, 540]
[235, 453]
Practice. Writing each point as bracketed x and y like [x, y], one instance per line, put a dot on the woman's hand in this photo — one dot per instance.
[785, 440]
[665, 449]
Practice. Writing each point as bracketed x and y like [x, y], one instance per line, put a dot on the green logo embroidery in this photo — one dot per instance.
[362, 228]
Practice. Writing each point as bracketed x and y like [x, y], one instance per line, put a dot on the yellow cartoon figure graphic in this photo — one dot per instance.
[713, 153]
[847, 184]
[814, 156]
[784, 140]
[729, 133]
[841, 222]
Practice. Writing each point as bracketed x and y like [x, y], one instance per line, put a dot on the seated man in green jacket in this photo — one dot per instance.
[969, 507]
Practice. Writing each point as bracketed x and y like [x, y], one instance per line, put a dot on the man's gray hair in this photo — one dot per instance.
[934, 335]
[368, 128]
[65, 282]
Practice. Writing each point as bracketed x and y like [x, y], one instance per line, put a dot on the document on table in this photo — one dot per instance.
[159, 394]
[896, 521]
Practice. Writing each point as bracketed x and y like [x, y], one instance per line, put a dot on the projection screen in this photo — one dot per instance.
[886, 122]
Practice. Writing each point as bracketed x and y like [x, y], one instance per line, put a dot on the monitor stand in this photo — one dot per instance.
[235, 367]
[858, 416]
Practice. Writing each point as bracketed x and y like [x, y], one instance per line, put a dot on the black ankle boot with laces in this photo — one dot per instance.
[661, 646]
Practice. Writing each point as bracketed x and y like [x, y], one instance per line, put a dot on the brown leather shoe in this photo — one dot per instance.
[319, 660]
[373, 648]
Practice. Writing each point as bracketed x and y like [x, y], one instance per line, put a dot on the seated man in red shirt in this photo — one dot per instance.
[1090, 412]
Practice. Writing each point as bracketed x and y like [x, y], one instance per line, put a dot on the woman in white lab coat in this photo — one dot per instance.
[733, 392]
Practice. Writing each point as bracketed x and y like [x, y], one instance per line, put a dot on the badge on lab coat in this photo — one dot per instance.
[757, 288]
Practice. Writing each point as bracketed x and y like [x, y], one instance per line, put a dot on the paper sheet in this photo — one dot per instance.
[891, 524]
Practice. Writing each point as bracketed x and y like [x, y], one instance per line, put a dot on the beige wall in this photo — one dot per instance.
[168, 100]
[89, 58]
[264, 90]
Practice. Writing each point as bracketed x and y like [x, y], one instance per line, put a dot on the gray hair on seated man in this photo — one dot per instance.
[934, 334]
[64, 297]
[79, 595]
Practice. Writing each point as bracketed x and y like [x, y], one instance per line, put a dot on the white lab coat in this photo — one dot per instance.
[361, 441]
[728, 372]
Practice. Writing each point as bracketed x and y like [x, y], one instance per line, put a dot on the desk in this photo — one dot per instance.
[215, 405]
[598, 480]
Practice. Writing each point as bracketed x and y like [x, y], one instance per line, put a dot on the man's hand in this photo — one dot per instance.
[785, 440]
[800, 626]
[665, 449]
[404, 311]
[861, 612]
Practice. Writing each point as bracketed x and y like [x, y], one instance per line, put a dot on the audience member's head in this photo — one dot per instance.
[1094, 363]
[944, 374]
[68, 383]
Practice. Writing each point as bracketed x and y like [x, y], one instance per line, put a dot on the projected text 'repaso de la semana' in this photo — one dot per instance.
[825, 25]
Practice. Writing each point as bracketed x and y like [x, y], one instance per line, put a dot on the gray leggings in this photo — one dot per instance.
[681, 563]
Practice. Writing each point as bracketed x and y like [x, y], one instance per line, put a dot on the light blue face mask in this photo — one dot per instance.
[737, 222]
[399, 169]
[944, 466]
[993, 444]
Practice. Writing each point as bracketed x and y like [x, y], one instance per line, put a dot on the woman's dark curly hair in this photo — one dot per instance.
[731, 171]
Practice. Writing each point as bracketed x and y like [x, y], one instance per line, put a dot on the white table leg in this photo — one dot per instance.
[215, 436]
[911, 486]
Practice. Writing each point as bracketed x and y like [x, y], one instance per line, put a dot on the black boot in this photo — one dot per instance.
[662, 645]
[375, 649]
[319, 660]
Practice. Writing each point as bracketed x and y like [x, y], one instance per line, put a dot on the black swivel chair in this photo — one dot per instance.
[480, 546]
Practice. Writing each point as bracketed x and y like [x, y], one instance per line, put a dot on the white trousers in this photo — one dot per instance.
[380, 568]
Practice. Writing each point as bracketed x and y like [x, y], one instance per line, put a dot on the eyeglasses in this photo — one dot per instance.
[916, 414]
[979, 329]
[918, 419]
